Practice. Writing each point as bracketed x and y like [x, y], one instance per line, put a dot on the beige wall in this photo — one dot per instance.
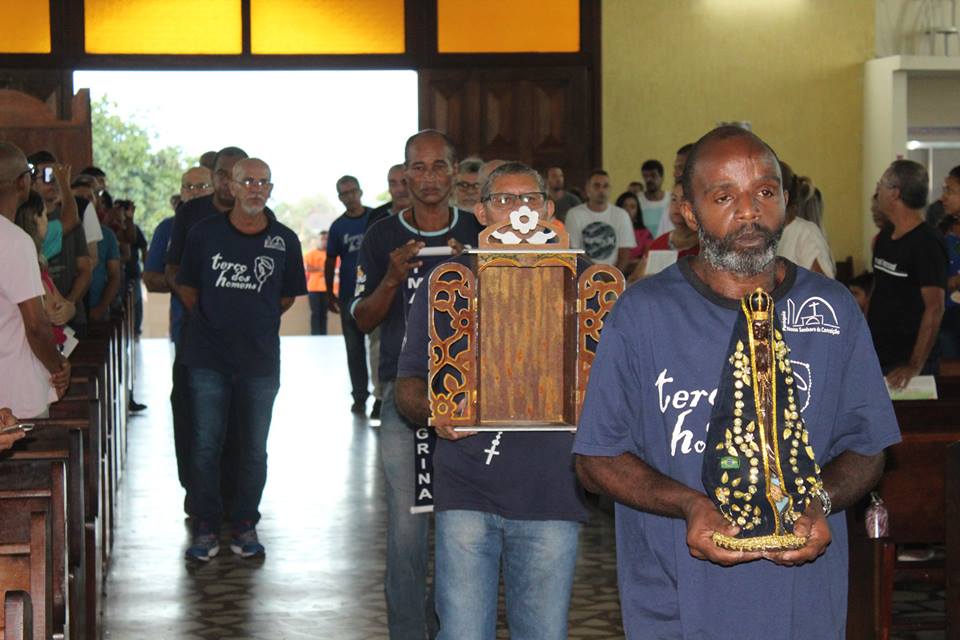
[673, 68]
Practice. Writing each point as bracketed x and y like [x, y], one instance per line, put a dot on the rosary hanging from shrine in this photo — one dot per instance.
[759, 467]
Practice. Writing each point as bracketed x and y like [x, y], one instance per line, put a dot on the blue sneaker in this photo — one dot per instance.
[206, 544]
[244, 542]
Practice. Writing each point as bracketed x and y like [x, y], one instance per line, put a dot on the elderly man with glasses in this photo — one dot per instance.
[501, 499]
[466, 187]
[240, 272]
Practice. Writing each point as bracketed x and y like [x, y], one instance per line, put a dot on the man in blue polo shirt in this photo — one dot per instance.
[653, 385]
[239, 274]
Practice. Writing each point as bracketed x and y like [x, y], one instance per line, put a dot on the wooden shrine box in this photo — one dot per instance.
[513, 331]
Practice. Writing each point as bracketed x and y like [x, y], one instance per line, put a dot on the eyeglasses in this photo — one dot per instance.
[348, 192]
[468, 186]
[887, 185]
[250, 183]
[195, 186]
[533, 199]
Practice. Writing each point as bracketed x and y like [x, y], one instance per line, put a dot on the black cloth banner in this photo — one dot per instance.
[425, 443]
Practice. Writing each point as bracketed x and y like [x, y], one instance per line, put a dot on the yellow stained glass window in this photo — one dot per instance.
[25, 26]
[163, 26]
[326, 26]
[508, 26]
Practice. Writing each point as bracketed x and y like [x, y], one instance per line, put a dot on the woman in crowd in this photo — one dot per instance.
[629, 202]
[32, 218]
[802, 242]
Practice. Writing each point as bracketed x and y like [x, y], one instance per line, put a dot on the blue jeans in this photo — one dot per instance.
[214, 394]
[409, 605]
[539, 557]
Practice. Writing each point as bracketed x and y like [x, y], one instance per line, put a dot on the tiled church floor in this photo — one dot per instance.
[323, 524]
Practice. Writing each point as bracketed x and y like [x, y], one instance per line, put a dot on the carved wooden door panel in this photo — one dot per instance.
[32, 125]
[542, 116]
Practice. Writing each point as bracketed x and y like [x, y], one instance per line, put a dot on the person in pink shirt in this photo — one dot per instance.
[32, 372]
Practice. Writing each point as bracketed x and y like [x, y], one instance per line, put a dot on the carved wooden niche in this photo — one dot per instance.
[513, 332]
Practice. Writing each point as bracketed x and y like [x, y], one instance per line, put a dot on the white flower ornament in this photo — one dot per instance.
[524, 220]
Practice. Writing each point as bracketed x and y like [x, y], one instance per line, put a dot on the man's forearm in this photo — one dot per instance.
[926, 336]
[372, 310]
[112, 287]
[82, 282]
[40, 339]
[286, 303]
[412, 399]
[330, 271]
[849, 476]
[631, 481]
[170, 273]
[156, 282]
[623, 259]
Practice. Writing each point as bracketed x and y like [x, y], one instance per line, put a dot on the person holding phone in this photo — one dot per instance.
[10, 429]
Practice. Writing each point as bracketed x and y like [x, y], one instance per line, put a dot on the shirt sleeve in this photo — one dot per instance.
[294, 278]
[930, 268]
[625, 237]
[157, 253]
[612, 408]
[189, 273]
[91, 224]
[112, 245]
[178, 237]
[19, 269]
[865, 422]
[573, 228]
[371, 266]
[334, 247]
[416, 341]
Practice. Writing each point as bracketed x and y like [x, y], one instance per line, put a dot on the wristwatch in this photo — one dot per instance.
[824, 497]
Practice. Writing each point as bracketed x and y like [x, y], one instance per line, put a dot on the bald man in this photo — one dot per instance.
[32, 371]
[240, 272]
[195, 183]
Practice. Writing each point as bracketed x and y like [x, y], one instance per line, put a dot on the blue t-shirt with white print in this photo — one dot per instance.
[517, 475]
[651, 391]
[382, 238]
[235, 326]
[343, 242]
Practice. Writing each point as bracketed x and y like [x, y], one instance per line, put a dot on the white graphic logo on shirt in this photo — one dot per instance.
[275, 242]
[815, 315]
[234, 275]
[888, 267]
[678, 404]
[263, 268]
[352, 242]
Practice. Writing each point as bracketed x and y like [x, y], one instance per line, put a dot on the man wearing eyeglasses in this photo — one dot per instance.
[240, 273]
[197, 182]
[343, 244]
[910, 277]
[466, 188]
[501, 499]
[198, 208]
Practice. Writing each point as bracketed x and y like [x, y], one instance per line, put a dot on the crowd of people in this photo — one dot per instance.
[735, 218]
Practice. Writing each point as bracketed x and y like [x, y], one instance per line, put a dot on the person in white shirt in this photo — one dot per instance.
[654, 201]
[32, 372]
[603, 230]
[802, 242]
